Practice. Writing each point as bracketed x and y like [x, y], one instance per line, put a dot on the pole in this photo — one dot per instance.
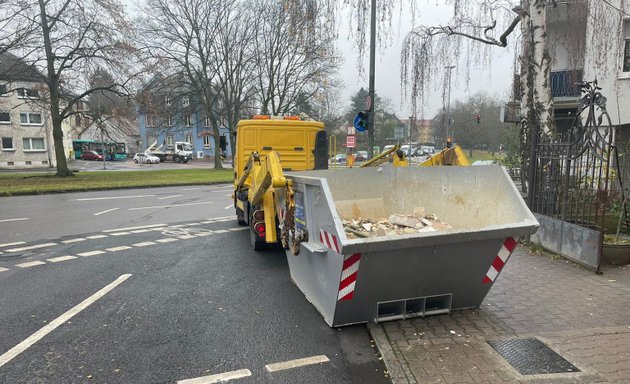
[371, 114]
[103, 148]
[448, 105]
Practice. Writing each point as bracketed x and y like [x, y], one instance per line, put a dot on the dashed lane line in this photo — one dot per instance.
[296, 363]
[239, 229]
[141, 230]
[186, 237]
[114, 197]
[169, 206]
[218, 378]
[17, 219]
[3, 269]
[96, 237]
[91, 253]
[106, 211]
[12, 244]
[37, 246]
[116, 249]
[70, 241]
[132, 228]
[144, 244]
[221, 231]
[169, 197]
[61, 258]
[30, 264]
[34, 338]
[120, 233]
[166, 240]
[228, 207]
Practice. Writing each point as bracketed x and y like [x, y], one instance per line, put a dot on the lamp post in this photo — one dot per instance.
[448, 105]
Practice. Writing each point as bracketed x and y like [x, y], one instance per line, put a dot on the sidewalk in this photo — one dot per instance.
[582, 316]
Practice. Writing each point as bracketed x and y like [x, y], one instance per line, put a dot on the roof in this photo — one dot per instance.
[13, 68]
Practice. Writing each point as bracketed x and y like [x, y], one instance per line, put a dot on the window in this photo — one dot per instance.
[169, 121]
[167, 100]
[33, 144]
[27, 93]
[7, 144]
[3, 90]
[189, 139]
[206, 122]
[188, 120]
[150, 120]
[169, 141]
[626, 51]
[185, 101]
[206, 141]
[5, 117]
[30, 118]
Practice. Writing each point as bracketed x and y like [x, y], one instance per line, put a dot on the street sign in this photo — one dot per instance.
[351, 130]
[357, 122]
[350, 141]
[368, 102]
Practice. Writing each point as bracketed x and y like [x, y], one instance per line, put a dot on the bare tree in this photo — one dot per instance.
[16, 25]
[70, 38]
[179, 38]
[290, 62]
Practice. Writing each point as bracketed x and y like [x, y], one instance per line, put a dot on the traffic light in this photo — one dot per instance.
[478, 117]
[361, 121]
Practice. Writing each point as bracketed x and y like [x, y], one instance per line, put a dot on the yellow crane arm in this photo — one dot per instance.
[380, 158]
[448, 156]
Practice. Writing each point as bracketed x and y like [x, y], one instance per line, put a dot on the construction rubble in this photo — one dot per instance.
[396, 224]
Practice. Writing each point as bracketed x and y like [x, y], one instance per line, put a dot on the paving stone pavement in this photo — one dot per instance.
[582, 316]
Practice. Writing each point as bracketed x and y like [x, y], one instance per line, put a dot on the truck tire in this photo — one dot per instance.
[257, 244]
[185, 161]
[176, 159]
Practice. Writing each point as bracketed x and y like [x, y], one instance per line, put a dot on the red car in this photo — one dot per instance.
[91, 155]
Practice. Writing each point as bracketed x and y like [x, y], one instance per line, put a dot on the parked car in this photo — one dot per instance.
[340, 158]
[486, 162]
[144, 158]
[91, 155]
[361, 156]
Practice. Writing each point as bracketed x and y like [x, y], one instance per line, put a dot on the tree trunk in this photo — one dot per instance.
[53, 89]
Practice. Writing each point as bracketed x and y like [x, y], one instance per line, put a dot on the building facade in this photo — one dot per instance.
[168, 112]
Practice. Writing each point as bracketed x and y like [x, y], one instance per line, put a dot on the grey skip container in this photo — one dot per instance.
[376, 279]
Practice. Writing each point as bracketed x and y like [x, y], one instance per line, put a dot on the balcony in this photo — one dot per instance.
[566, 83]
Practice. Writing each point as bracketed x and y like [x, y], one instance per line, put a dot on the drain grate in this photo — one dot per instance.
[532, 357]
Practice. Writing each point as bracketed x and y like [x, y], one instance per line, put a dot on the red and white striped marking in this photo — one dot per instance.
[329, 240]
[497, 265]
[349, 276]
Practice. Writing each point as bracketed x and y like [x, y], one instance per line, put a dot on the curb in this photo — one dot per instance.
[398, 370]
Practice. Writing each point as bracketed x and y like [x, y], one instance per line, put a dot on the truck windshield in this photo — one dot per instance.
[187, 147]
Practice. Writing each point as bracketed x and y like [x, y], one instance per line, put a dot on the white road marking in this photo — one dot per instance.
[61, 258]
[203, 234]
[228, 207]
[166, 240]
[193, 189]
[31, 247]
[3, 269]
[221, 231]
[18, 219]
[141, 230]
[114, 197]
[221, 191]
[296, 363]
[169, 197]
[106, 211]
[91, 253]
[207, 222]
[186, 237]
[230, 195]
[220, 218]
[30, 264]
[73, 240]
[120, 233]
[116, 249]
[239, 229]
[218, 378]
[143, 244]
[130, 228]
[96, 237]
[21, 347]
[169, 206]
[229, 218]
[11, 244]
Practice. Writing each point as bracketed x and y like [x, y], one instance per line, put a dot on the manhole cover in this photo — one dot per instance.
[532, 357]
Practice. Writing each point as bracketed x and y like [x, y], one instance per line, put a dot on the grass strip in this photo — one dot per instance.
[37, 183]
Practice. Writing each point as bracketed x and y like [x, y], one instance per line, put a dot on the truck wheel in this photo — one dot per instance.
[184, 161]
[176, 159]
[240, 217]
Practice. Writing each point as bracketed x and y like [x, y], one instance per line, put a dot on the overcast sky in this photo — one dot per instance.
[495, 80]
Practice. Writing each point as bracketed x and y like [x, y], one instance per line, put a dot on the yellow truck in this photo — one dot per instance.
[266, 147]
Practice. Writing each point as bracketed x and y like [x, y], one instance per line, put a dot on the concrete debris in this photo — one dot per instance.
[397, 224]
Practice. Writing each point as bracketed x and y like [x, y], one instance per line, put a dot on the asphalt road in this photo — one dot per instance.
[158, 295]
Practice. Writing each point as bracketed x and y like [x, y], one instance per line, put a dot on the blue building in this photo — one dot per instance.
[169, 112]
